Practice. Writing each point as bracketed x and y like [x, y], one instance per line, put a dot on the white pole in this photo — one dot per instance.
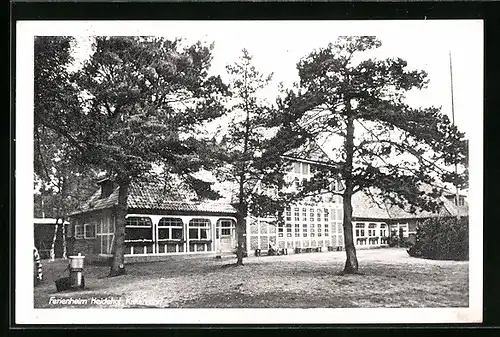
[457, 197]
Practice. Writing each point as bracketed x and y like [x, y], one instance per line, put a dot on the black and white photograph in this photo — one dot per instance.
[217, 172]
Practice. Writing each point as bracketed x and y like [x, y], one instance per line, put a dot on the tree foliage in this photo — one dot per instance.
[241, 150]
[389, 149]
[137, 102]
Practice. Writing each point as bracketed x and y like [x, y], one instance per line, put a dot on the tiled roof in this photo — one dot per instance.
[156, 195]
[364, 207]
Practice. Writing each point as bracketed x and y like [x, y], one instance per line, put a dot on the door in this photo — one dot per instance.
[225, 236]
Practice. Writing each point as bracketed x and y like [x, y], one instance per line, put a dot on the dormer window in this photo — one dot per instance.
[301, 168]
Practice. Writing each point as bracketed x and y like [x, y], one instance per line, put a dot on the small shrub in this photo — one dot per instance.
[442, 239]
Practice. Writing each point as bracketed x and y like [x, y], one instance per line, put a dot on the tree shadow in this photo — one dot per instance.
[229, 265]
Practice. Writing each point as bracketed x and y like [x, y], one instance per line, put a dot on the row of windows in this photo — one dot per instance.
[141, 229]
[396, 229]
[372, 232]
[306, 230]
[314, 216]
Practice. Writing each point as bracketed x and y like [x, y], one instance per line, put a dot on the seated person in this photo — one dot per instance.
[273, 248]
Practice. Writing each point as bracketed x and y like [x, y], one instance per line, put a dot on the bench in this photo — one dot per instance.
[281, 251]
[308, 250]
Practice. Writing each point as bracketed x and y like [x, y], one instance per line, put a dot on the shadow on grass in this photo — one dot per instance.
[229, 265]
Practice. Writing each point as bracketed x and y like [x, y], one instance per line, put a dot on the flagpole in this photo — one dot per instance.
[457, 196]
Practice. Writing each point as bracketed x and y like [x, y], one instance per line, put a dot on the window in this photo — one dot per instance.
[296, 168]
[79, 231]
[107, 234]
[319, 215]
[319, 229]
[138, 229]
[326, 230]
[339, 214]
[170, 229]
[326, 214]
[304, 230]
[383, 231]
[288, 230]
[296, 214]
[226, 227]
[371, 231]
[403, 230]
[305, 168]
[297, 230]
[288, 214]
[301, 168]
[311, 214]
[360, 229]
[89, 231]
[280, 230]
[199, 229]
[304, 214]
[313, 234]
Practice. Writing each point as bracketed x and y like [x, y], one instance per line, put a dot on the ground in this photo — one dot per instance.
[390, 278]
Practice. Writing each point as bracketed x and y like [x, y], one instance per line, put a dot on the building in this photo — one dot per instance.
[158, 223]
[374, 222]
[314, 223]
[43, 234]
[165, 220]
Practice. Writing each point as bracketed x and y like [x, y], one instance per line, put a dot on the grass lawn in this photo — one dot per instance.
[390, 278]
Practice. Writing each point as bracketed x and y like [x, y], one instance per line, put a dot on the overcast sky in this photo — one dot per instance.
[278, 45]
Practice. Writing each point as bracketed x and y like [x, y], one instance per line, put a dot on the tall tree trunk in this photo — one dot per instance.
[240, 229]
[54, 239]
[242, 212]
[351, 263]
[65, 250]
[63, 194]
[242, 205]
[118, 262]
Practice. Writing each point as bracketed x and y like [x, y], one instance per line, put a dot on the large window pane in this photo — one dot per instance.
[138, 234]
[177, 233]
[305, 168]
[199, 229]
[170, 229]
[193, 233]
[296, 167]
[138, 229]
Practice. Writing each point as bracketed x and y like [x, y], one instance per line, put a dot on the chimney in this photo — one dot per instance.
[107, 187]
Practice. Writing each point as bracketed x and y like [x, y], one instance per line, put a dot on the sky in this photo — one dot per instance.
[277, 46]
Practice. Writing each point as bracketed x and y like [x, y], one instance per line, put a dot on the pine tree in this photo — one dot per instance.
[139, 100]
[389, 149]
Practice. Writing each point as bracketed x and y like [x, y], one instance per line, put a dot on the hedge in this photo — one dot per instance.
[442, 239]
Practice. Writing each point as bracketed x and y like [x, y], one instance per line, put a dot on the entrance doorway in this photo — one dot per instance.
[225, 236]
